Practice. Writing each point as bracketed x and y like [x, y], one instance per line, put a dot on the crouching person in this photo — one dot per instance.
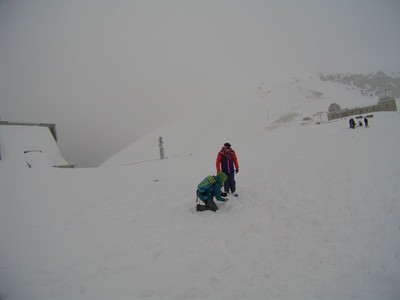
[209, 188]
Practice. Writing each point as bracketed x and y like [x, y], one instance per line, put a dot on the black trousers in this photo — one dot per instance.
[209, 205]
[230, 183]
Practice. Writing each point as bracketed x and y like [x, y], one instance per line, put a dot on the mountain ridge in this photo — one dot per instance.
[371, 84]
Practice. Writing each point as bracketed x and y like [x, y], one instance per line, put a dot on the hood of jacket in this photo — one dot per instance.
[221, 177]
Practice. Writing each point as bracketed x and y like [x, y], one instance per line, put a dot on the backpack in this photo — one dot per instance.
[205, 184]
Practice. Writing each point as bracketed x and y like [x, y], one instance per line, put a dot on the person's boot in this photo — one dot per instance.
[204, 208]
[201, 207]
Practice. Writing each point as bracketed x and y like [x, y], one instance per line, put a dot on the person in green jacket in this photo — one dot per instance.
[207, 193]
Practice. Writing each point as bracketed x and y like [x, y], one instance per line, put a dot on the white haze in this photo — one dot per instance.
[107, 72]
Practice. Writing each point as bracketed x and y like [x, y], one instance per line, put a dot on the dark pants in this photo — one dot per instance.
[209, 205]
[230, 183]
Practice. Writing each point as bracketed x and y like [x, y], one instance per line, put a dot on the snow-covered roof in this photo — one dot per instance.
[30, 145]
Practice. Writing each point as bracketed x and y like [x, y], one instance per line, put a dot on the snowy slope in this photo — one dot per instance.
[251, 113]
[317, 216]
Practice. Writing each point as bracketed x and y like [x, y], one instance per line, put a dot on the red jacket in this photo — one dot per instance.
[227, 161]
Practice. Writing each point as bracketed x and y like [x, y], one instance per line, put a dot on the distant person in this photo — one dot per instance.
[360, 123]
[209, 188]
[227, 162]
[352, 123]
[366, 122]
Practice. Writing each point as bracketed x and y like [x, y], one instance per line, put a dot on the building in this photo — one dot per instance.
[31, 145]
[384, 104]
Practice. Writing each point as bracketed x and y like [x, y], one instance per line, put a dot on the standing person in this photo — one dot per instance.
[227, 162]
[366, 122]
[209, 188]
[352, 123]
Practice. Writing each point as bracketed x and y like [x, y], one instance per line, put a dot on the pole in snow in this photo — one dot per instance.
[161, 145]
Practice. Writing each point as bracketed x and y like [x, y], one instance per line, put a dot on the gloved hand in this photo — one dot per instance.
[237, 171]
[223, 194]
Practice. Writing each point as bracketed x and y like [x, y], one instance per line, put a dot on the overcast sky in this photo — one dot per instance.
[107, 72]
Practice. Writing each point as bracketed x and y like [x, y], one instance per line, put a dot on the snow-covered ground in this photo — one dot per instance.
[318, 215]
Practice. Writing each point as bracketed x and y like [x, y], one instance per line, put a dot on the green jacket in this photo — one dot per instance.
[213, 191]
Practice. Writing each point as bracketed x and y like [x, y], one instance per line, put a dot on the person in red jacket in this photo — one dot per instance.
[227, 162]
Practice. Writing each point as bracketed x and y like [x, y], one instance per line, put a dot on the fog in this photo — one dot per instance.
[108, 72]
